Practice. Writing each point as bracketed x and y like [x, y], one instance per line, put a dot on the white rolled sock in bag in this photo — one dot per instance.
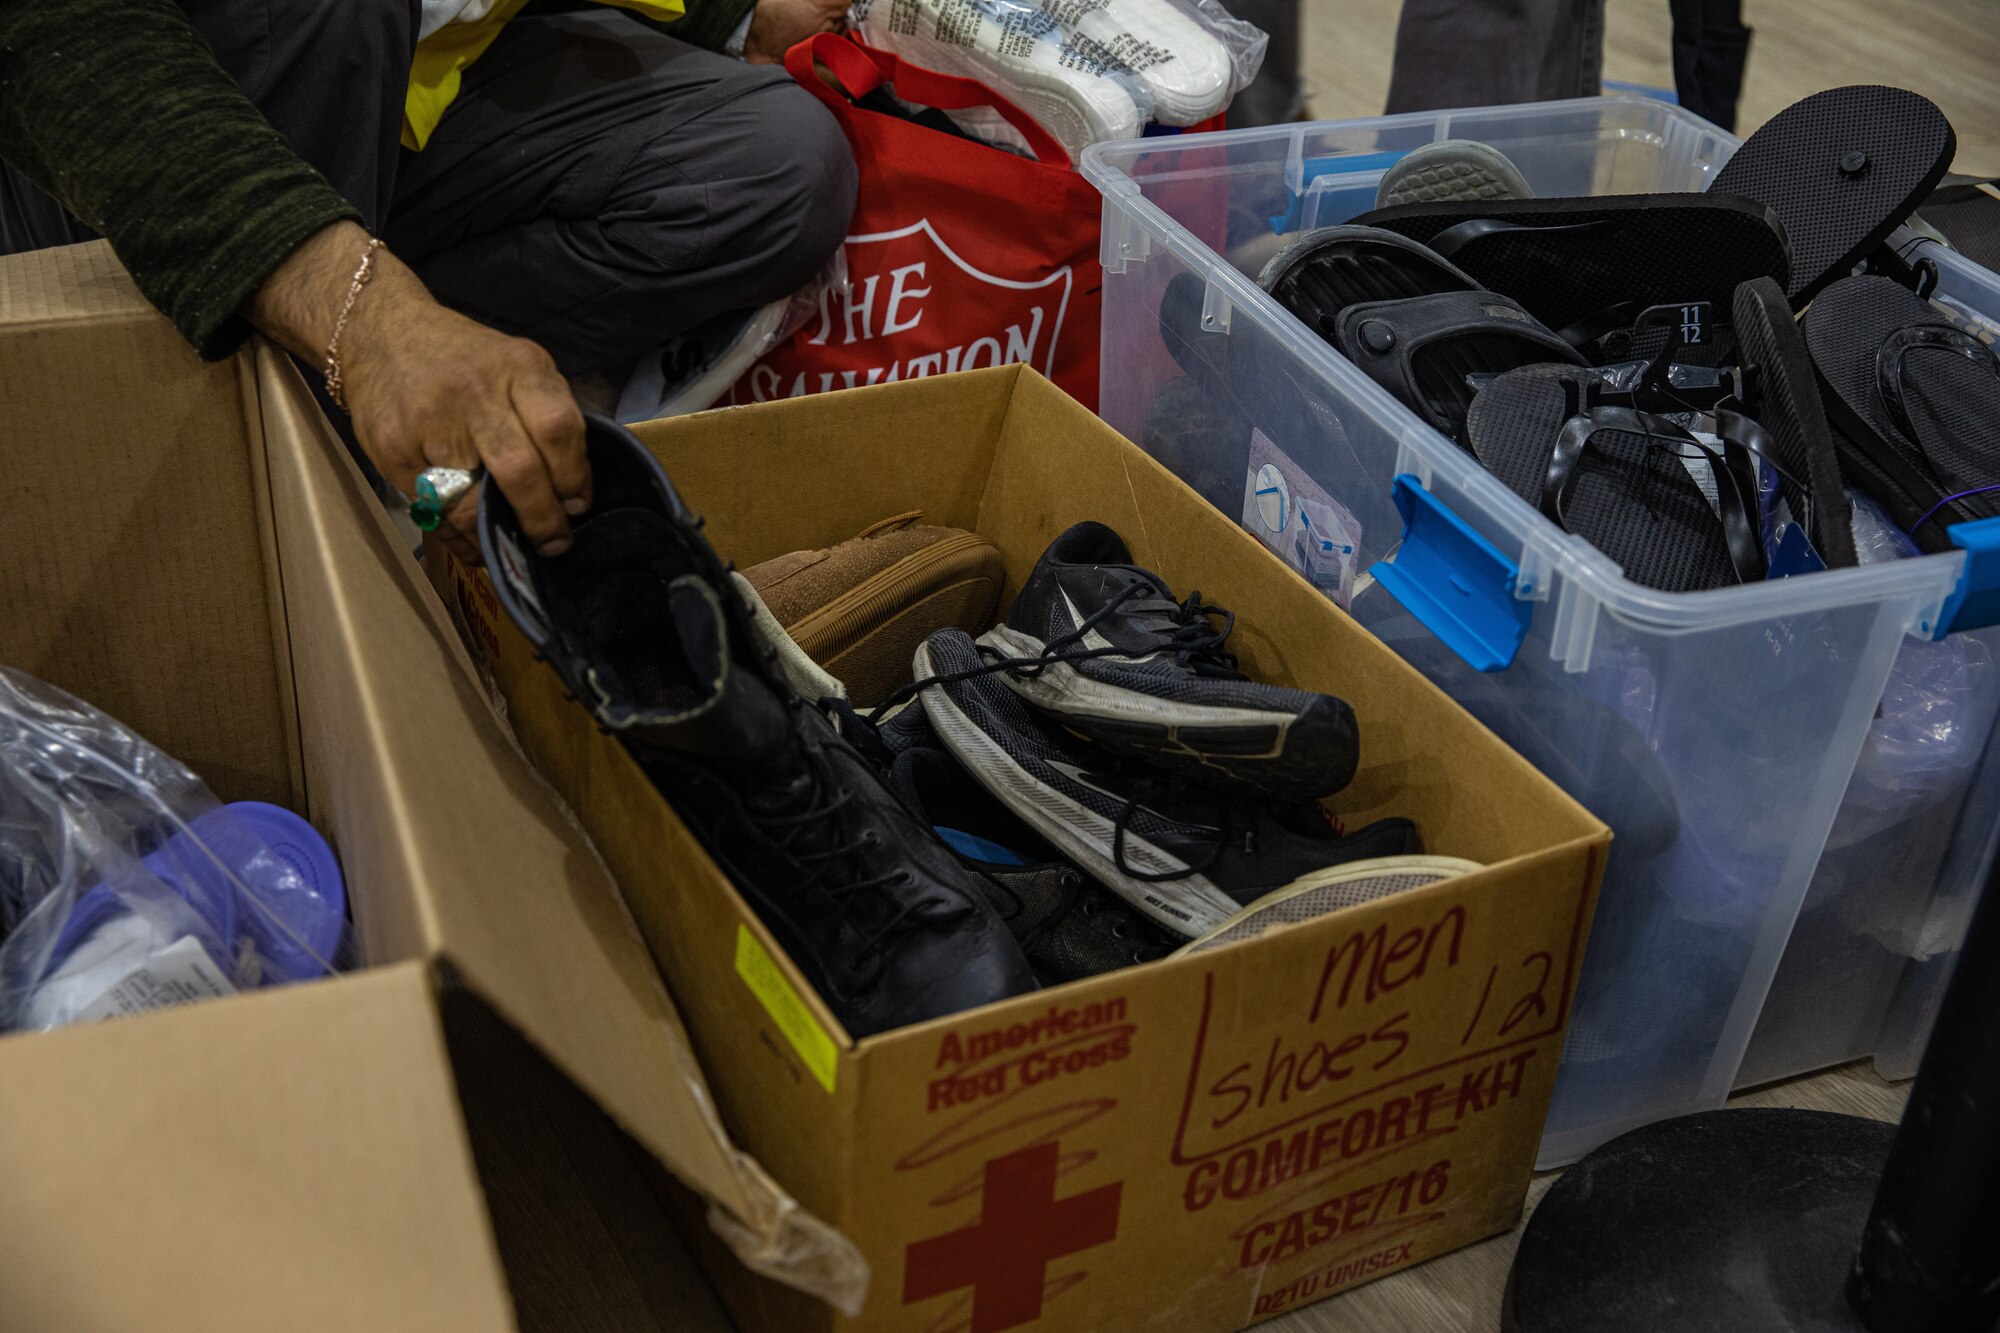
[1022, 54]
[1185, 68]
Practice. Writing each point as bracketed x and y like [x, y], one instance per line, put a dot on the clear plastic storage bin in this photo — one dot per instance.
[1730, 738]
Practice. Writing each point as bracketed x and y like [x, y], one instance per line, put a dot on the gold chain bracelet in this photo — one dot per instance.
[334, 387]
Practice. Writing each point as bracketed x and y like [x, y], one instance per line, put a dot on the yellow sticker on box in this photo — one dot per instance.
[760, 973]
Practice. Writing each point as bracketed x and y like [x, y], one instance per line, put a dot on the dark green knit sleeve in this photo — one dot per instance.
[118, 109]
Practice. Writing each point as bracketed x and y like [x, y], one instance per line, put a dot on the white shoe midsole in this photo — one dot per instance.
[1190, 907]
[1061, 689]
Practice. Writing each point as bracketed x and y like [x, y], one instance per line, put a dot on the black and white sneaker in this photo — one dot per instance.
[646, 627]
[1069, 925]
[1102, 646]
[1189, 857]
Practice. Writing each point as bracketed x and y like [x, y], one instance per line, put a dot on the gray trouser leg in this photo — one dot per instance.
[600, 187]
[1274, 96]
[1452, 53]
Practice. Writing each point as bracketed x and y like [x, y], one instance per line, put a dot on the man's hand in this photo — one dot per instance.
[428, 387]
[778, 25]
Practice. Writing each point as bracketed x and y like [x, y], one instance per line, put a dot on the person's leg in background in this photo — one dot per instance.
[600, 187]
[1452, 53]
[1274, 96]
[1711, 51]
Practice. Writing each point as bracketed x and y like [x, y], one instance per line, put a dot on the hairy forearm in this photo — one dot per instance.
[119, 110]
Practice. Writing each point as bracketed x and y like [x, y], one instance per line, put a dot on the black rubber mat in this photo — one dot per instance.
[1946, 440]
[1569, 261]
[1842, 169]
[1784, 399]
[1325, 271]
[1630, 498]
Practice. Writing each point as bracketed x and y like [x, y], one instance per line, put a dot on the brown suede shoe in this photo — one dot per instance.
[860, 609]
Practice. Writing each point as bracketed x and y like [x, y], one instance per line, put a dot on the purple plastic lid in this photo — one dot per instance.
[297, 929]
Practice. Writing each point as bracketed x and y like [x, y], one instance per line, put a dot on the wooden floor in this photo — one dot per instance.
[1948, 50]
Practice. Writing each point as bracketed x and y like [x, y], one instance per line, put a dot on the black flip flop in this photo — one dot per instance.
[1783, 396]
[1426, 349]
[1841, 169]
[1916, 401]
[1616, 478]
[1588, 267]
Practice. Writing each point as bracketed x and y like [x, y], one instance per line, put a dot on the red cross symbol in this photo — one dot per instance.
[1004, 1256]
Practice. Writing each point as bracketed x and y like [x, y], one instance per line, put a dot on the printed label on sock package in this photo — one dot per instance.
[761, 974]
[1300, 523]
[181, 973]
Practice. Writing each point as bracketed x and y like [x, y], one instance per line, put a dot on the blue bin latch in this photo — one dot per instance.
[1975, 602]
[1455, 581]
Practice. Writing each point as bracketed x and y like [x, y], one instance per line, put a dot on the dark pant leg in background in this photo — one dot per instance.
[1453, 53]
[600, 187]
[1711, 50]
[1274, 96]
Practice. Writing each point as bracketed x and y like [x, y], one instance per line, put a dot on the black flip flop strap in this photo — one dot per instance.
[1895, 350]
[1590, 328]
[1746, 553]
[1459, 235]
[1752, 446]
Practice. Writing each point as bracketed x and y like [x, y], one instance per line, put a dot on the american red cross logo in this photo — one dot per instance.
[1004, 1256]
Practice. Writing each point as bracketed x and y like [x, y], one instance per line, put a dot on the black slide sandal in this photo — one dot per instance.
[1423, 348]
[1916, 401]
[1326, 270]
[1841, 169]
[1587, 267]
[1783, 397]
[1615, 477]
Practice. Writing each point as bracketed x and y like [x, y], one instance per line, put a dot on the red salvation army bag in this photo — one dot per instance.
[960, 255]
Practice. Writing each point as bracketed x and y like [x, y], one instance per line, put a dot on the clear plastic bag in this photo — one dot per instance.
[1088, 71]
[125, 886]
[693, 373]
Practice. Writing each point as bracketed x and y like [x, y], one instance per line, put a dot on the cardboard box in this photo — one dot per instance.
[188, 547]
[1200, 1143]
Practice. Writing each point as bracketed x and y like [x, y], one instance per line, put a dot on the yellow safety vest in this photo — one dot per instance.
[442, 57]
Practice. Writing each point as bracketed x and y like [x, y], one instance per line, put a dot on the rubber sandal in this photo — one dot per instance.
[1587, 267]
[1841, 169]
[1615, 477]
[1783, 396]
[1324, 271]
[1916, 401]
[1425, 349]
[1451, 171]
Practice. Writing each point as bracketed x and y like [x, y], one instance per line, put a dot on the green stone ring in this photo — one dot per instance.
[438, 489]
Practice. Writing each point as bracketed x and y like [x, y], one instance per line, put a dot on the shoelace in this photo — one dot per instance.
[1192, 640]
[1150, 946]
[1165, 792]
[831, 871]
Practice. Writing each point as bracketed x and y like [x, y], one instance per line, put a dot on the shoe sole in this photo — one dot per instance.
[1189, 907]
[1451, 171]
[867, 634]
[1331, 891]
[1284, 755]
